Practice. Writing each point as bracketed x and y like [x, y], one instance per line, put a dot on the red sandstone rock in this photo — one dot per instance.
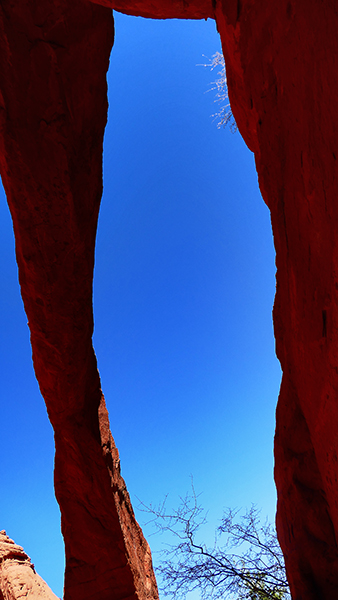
[18, 578]
[53, 110]
[281, 65]
[281, 58]
[180, 9]
[162, 9]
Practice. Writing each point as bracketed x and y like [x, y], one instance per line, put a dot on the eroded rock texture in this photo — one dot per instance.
[53, 110]
[18, 578]
[281, 64]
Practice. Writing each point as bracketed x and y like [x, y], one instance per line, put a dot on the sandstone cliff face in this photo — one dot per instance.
[18, 578]
[281, 64]
[53, 98]
[281, 59]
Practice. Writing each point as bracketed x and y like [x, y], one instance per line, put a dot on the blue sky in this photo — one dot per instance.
[183, 294]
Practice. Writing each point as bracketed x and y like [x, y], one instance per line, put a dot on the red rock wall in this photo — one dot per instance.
[281, 66]
[53, 98]
[281, 60]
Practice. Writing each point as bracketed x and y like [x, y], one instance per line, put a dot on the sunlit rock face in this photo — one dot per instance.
[18, 578]
[281, 65]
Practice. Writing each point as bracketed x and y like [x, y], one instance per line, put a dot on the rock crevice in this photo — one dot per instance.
[281, 61]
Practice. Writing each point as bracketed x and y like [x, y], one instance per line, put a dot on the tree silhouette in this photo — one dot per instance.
[245, 562]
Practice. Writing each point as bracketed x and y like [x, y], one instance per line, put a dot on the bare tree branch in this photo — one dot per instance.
[245, 562]
[224, 114]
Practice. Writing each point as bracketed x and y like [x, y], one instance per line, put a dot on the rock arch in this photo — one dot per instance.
[281, 61]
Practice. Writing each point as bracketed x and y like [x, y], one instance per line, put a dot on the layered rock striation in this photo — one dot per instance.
[281, 65]
[18, 578]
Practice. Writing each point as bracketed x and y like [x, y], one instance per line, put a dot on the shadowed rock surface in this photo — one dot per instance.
[18, 578]
[53, 111]
[281, 58]
[281, 62]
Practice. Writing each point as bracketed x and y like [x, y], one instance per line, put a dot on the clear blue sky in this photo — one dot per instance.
[184, 287]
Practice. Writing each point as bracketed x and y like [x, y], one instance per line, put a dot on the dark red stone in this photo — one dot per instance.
[280, 63]
[163, 9]
[281, 66]
[53, 92]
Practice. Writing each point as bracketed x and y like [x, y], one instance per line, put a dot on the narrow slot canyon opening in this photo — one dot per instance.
[184, 280]
[184, 286]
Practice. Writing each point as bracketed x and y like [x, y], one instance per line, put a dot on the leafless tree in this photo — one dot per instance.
[224, 115]
[246, 564]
